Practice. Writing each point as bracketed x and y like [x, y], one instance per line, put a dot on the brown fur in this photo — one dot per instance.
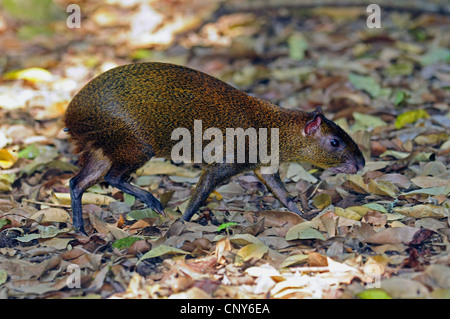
[129, 113]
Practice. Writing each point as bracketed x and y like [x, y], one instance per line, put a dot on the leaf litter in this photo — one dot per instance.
[382, 233]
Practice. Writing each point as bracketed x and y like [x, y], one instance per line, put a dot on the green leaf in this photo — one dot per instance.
[297, 46]
[419, 34]
[44, 232]
[50, 231]
[3, 276]
[294, 260]
[436, 55]
[303, 231]
[374, 294]
[162, 250]
[30, 152]
[399, 98]
[3, 222]
[142, 54]
[432, 191]
[410, 117]
[28, 238]
[375, 206]
[34, 12]
[226, 225]
[366, 83]
[396, 154]
[401, 68]
[27, 32]
[244, 239]
[142, 213]
[125, 242]
[252, 251]
[367, 121]
[129, 199]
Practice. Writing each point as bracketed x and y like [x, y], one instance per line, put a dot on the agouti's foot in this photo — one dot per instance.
[79, 230]
[156, 205]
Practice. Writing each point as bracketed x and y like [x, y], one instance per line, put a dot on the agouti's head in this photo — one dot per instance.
[337, 149]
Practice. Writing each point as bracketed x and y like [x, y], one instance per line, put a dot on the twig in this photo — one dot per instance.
[44, 203]
[230, 210]
[309, 269]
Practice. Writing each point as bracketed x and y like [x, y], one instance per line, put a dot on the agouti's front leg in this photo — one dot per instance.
[276, 187]
[212, 176]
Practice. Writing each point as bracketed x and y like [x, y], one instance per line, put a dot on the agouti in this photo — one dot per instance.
[128, 114]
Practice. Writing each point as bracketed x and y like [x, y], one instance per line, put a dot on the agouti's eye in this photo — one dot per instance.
[334, 142]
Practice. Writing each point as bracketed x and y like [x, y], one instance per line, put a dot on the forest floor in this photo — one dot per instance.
[381, 233]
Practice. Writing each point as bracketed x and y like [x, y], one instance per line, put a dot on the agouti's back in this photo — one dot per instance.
[131, 111]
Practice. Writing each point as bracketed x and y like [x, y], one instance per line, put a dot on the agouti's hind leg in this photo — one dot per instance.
[118, 177]
[95, 167]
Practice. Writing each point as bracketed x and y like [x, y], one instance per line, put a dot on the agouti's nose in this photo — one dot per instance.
[360, 162]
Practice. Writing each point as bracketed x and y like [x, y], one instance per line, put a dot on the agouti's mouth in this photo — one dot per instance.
[350, 167]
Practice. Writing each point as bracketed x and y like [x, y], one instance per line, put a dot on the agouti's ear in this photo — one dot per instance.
[319, 110]
[313, 125]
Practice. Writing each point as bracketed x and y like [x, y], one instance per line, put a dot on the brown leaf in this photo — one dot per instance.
[256, 228]
[139, 247]
[286, 219]
[377, 148]
[73, 253]
[398, 180]
[429, 181]
[138, 226]
[421, 211]
[363, 231]
[404, 288]
[199, 268]
[120, 222]
[317, 260]
[175, 229]
[375, 218]
[100, 277]
[329, 222]
[440, 274]
[223, 247]
[395, 235]
[356, 183]
[420, 236]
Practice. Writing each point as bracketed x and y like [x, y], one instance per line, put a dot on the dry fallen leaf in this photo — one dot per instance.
[404, 288]
[422, 211]
[52, 214]
[252, 251]
[88, 198]
[394, 108]
[395, 235]
[7, 158]
[428, 181]
[223, 247]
